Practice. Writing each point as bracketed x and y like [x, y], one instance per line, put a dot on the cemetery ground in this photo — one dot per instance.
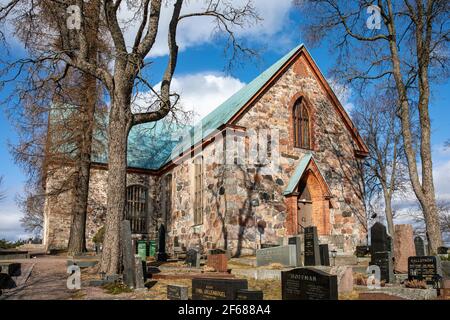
[44, 278]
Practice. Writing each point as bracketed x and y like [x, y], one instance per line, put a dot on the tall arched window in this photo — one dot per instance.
[137, 205]
[301, 125]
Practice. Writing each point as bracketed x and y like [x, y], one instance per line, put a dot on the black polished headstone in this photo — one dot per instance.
[162, 255]
[308, 284]
[217, 289]
[384, 261]
[420, 246]
[442, 250]
[311, 252]
[324, 255]
[379, 238]
[244, 294]
[424, 268]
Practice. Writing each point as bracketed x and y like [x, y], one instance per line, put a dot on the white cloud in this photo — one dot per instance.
[199, 30]
[10, 227]
[200, 93]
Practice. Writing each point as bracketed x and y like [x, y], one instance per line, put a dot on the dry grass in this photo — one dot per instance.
[354, 295]
[415, 284]
[271, 288]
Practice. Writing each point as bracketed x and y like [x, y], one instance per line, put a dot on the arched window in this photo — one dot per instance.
[301, 125]
[137, 208]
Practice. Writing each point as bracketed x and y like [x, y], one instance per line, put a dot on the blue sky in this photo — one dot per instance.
[203, 84]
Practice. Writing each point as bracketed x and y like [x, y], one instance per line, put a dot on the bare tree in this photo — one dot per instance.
[123, 80]
[386, 174]
[407, 50]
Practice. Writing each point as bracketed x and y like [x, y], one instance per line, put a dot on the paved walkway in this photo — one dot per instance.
[47, 281]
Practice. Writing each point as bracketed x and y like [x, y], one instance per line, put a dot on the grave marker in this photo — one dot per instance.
[424, 268]
[244, 294]
[217, 289]
[324, 255]
[177, 292]
[297, 241]
[384, 261]
[308, 284]
[419, 245]
[312, 253]
[285, 255]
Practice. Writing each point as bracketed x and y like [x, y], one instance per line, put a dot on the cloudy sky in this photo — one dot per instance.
[203, 85]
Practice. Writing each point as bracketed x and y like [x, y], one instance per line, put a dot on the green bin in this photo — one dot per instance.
[152, 248]
[142, 249]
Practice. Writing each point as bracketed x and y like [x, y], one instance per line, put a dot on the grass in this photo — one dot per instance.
[116, 288]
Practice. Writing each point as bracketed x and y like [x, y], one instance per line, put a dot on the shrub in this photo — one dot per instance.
[98, 238]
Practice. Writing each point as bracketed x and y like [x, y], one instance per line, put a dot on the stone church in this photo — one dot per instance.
[279, 155]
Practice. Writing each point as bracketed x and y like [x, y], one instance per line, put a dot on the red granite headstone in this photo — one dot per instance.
[218, 261]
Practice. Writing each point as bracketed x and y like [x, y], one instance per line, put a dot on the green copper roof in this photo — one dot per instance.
[152, 145]
[298, 173]
[224, 112]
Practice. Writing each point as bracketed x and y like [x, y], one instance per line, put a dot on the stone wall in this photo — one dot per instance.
[238, 195]
[57, 209]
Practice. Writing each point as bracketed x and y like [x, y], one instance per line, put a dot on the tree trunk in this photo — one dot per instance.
[424, 191]
[77, 238]
[119, 125]
[389, 214]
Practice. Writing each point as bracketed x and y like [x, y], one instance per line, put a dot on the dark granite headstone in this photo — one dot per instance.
[311, 252]
[324, 255]
[6, 282]
[162, 255]
[11, 268]
[379, 238]
[244, 294]
[362, 251]
[297, 241]
[193, 258]
[420, 246]
[308, 284]
[217, 289]
[424, 268]
[177, 292]
[269, 245]
[384, 261]
[442, 250]
[127, 254]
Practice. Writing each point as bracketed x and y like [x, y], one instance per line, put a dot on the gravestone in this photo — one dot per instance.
[162, 255]
[244, 294]
[384, 261]
[138, 273]
[217, 259]
[404, 247]
[6, 282]
[127, 254]
[11, 268]
[311, 252]
[285, 255]
[193, 258]
[419, 245]
[442, 250]
[297, 241]
[217, 289]
[324, 255]
[424, 268]
[177, 292]
[269, 245]
[362, 251]
[379, 238]
[308, 284]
